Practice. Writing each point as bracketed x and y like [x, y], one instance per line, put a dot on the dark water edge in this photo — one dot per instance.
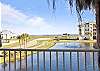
[89, 59]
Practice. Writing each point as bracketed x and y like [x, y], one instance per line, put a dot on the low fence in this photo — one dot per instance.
[8, 53]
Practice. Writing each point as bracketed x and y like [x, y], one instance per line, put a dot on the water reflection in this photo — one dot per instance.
[75, 45]
[87, 45]
[4, 65]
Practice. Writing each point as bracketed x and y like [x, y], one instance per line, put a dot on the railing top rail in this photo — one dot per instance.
[60, 50]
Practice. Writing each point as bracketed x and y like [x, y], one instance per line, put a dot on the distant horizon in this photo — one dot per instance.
[35, 34]
[36, 18]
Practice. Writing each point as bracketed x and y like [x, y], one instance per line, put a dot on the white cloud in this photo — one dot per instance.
[17, 21]
[38, 22]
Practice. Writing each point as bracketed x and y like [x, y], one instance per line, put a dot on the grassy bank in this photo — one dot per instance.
[16, 43]
[42, 44]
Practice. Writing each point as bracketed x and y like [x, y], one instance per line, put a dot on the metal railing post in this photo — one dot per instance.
[9, 60]
[20, 61]
[78, 61]
[37, 60]
[26, 59]
[15, 60]
[70, 61]
[85, 63]
[93, 63]
[4, 60]
[44, 60]
[50, 60]
[57, 61]
[63, 61]
[32, 59]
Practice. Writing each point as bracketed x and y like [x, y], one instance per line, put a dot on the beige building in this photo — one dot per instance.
[6, 35]
[87, 30]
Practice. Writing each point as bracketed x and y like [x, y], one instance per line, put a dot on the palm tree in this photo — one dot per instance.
[84, 5]
[24, 39]
[19, 38]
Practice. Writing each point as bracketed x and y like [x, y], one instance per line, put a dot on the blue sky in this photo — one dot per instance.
[35, 17]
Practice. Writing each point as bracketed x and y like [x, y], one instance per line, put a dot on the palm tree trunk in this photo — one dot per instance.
[19, 43]
[24, 42]
[98, 22]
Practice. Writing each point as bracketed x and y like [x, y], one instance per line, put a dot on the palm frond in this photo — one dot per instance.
[80, 5]
[54, 4]
[48, 2]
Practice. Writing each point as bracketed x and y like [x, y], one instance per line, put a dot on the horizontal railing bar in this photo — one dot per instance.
[60, 50]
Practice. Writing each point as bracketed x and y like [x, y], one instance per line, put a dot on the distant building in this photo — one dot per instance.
[88, 30]
[7, 35]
